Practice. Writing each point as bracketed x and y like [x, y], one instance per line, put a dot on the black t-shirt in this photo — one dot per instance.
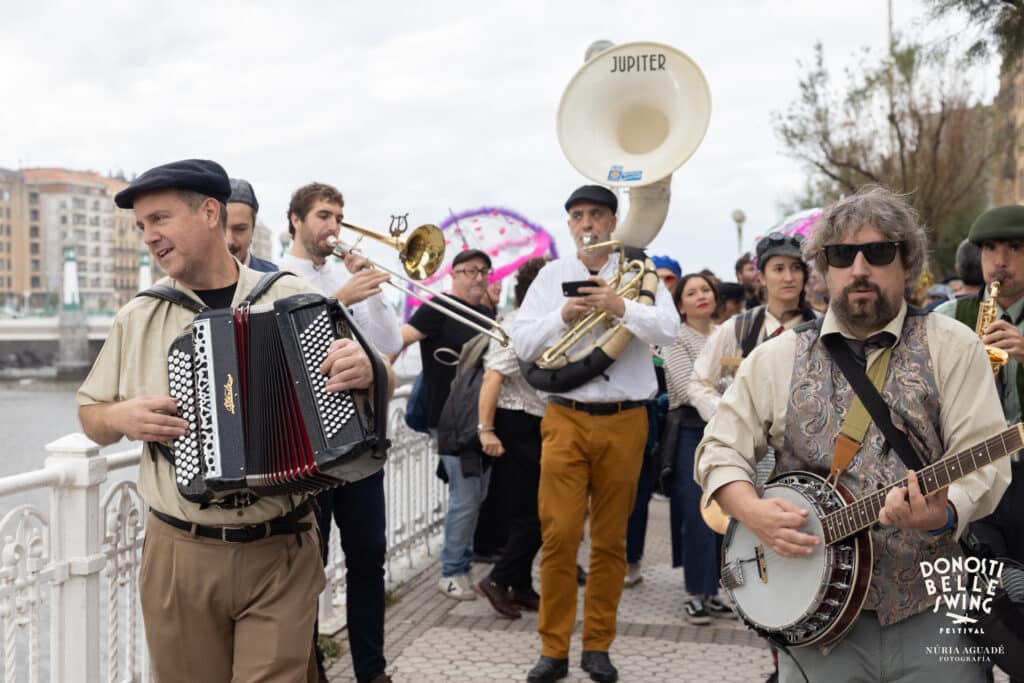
[441, 332]
[217, 298]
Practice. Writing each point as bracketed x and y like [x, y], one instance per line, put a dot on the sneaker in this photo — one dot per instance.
[457, 587]
[633, 575]
[717, 607]
[695, 612]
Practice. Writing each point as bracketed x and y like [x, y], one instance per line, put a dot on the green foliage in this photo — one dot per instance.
[993, 25]
[909, 121]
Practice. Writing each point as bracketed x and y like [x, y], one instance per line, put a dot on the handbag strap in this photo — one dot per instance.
[872, 400]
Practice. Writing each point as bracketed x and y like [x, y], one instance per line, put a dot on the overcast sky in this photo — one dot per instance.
[412, 107]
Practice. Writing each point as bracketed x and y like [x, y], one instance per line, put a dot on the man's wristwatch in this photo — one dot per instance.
[480, 428]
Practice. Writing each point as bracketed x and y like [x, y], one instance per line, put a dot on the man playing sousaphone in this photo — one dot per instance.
[791, 394]
[593, 436]
[999, 233]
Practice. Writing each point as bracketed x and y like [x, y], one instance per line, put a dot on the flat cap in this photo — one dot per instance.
[596, 194]
[242, 193]
[199, 175]
[468, 254]
[778, 244]
[731, 291]
[1000, 223]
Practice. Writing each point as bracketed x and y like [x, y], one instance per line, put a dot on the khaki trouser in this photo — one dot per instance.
[219, 612]
[599, 456]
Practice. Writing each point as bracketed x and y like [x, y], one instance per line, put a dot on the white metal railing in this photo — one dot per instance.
[74, 572]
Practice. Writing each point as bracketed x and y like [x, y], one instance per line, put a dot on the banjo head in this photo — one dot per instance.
[788, 588]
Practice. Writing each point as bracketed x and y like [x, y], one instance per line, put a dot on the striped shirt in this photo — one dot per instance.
[679, 358]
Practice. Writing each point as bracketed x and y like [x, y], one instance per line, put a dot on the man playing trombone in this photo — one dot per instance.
[593, 436]
[314, 216]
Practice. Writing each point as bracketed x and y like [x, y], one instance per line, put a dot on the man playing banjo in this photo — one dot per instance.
[790, 395]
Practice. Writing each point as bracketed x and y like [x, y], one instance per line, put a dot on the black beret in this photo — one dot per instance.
[468, 254]
[1000, 223]
[199, 175]
[242, 193]
[596, 194]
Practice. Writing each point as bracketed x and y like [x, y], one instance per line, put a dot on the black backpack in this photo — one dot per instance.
[456, 428]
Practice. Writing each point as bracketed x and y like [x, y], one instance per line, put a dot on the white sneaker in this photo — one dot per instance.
[633, 575]
[457, 587]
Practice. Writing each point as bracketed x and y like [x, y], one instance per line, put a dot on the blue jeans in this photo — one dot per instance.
[465, 495]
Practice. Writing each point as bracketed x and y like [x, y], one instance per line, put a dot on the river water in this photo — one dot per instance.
[32, 414]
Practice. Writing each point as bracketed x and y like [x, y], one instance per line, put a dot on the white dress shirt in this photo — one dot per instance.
[374, 317]
[539, 325]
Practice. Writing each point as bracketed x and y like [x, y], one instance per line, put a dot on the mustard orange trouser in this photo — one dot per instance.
[581, 455]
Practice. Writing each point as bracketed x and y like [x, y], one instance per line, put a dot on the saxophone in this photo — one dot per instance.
[997, 357]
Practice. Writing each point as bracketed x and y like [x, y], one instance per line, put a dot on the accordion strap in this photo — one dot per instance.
[175, 296]
[261, 287]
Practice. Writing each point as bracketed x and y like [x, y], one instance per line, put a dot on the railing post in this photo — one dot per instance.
[78, 560]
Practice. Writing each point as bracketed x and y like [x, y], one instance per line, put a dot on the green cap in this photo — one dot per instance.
[1000, 223]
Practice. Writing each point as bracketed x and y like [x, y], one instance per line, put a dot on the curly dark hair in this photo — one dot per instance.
[525, 276]
[677, 291]
[307, 195]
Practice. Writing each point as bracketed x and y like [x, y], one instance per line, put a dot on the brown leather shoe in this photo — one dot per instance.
[526, 599]
[499, 598]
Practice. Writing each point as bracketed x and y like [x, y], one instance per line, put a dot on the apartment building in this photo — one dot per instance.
[22, 282]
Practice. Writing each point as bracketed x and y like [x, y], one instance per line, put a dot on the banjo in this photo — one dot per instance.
[824, 592]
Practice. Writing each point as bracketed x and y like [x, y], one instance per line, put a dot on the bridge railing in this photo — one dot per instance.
[69, 603]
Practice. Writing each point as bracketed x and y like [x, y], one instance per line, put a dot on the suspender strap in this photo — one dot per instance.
[750, 339]
[175, 296]
[872, 400]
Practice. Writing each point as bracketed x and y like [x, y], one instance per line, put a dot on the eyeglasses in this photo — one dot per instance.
[473, 272]
[875, 253]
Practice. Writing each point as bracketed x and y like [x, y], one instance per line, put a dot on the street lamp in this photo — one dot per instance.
[739, 217]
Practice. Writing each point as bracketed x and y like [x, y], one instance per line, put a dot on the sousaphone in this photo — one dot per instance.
[629, 117]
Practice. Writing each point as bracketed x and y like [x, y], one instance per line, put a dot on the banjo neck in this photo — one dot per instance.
[864, 512]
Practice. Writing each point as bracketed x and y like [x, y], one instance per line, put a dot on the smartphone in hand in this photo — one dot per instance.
[572, 288]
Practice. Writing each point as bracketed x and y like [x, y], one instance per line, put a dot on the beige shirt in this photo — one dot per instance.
[133, 362]
[710, 378]
[751, 416]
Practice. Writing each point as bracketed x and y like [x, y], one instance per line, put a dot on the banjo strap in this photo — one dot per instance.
[868, 395]
[855, 425]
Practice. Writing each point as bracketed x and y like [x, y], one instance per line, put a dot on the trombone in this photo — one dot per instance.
[421, 253]
[553, 356]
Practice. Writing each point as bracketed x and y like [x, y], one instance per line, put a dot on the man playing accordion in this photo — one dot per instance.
[226, 593]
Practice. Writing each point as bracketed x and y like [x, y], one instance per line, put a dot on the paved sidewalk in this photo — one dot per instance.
[432, 638]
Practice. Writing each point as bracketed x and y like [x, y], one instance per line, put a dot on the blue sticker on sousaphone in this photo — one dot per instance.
[617, 175]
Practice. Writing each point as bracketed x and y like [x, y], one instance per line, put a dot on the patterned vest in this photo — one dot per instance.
[818, 403]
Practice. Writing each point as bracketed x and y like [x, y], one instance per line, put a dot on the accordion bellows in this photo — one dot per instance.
[248, 382]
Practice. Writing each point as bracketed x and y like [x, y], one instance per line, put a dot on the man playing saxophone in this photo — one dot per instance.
[1000, 234]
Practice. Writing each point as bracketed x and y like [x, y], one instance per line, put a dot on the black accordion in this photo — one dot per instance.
[261, 422]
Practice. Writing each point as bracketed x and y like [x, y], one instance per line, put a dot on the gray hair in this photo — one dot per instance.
[195, 199]
[889, 213]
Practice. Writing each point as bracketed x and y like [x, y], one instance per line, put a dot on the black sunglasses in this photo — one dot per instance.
[875, 253]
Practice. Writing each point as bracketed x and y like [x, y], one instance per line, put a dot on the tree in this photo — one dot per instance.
[999, 24]
[909, 122]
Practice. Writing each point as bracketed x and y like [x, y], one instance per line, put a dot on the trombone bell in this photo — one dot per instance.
[421, 253]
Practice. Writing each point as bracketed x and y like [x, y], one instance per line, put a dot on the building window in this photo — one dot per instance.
[33, 197]
[33, 214]
[34, 248]
[35, 265]
[33, 231]
[35, 282]
[64, 219]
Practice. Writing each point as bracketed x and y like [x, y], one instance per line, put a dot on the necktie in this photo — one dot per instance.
[779, 330]
[860, 348]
